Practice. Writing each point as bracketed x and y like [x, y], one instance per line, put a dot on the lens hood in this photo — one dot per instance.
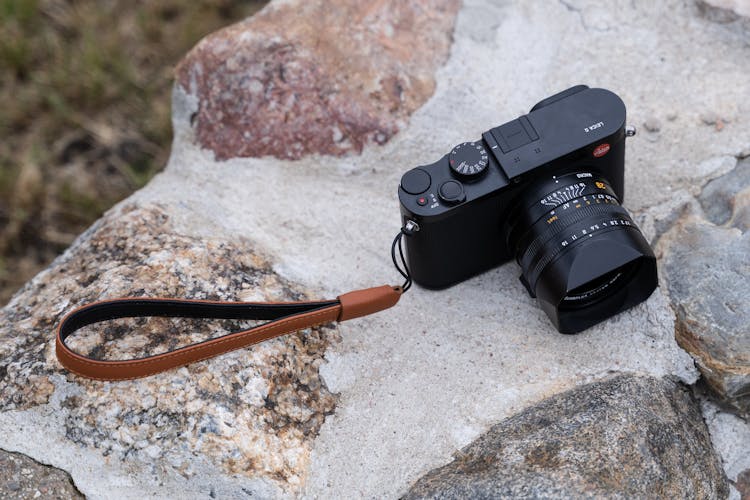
[621, 256]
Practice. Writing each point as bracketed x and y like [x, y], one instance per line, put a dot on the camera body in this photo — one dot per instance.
[466, 204]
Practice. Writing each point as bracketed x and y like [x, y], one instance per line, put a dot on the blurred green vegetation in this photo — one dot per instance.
[85, 111]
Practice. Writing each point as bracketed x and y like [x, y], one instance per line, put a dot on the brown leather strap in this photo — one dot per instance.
[285, 317]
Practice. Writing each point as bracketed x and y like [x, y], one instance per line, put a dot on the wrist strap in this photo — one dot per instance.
[285, 317]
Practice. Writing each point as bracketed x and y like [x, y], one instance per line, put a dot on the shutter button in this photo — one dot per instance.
[452, 192]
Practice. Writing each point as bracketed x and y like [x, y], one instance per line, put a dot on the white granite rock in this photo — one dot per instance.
[418, 382]
[730, 435]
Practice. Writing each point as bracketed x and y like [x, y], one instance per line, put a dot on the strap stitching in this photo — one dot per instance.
[153, 372]
[194, 347]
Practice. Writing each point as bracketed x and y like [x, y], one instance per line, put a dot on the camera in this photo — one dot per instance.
[545, 189]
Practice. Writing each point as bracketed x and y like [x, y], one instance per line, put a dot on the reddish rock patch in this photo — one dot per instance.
[304, 77]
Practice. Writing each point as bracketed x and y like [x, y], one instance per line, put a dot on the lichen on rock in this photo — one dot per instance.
[252, 412]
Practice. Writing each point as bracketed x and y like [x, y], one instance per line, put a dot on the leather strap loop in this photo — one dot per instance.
[284, 317]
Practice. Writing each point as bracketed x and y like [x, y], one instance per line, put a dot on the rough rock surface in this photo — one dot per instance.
[725, 196]
[23, 478]
[731, 437]
[626, 437]
[303, 77]
[736, 7]
[399, 392]
[707, 269]
[743, 484]
[254, 411]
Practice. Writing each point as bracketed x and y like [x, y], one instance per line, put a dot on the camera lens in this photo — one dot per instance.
[581, 254]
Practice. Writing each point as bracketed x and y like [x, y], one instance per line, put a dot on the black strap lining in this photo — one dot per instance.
[172, 308]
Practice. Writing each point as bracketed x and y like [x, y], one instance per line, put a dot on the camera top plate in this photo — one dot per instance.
[567, 127]
[559, 126]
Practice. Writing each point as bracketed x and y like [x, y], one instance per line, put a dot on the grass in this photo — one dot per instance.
[84, 111]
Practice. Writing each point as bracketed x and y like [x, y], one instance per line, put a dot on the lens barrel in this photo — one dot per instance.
[581, 254]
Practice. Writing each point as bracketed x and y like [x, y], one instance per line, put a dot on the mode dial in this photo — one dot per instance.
[468, 159]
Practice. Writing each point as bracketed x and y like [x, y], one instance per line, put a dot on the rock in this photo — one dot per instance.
[710, 118]
[253, 412]
[718, 196]
[731, 437]
[626, 437]
[652, 124]
[22, 477]
[714, 167]
[741, 218]
[278, 84]
[366, 408]
[733, 8]
[707, 269]
[743, 484]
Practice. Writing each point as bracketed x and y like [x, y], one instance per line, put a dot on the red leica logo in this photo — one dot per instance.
[601, 150]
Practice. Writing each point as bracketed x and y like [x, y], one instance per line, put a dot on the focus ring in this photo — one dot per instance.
[567, 194]
[555, 196]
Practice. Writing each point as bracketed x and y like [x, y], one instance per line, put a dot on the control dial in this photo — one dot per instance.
[468, 160]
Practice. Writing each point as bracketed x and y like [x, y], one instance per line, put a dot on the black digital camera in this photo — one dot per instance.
[546, 190]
